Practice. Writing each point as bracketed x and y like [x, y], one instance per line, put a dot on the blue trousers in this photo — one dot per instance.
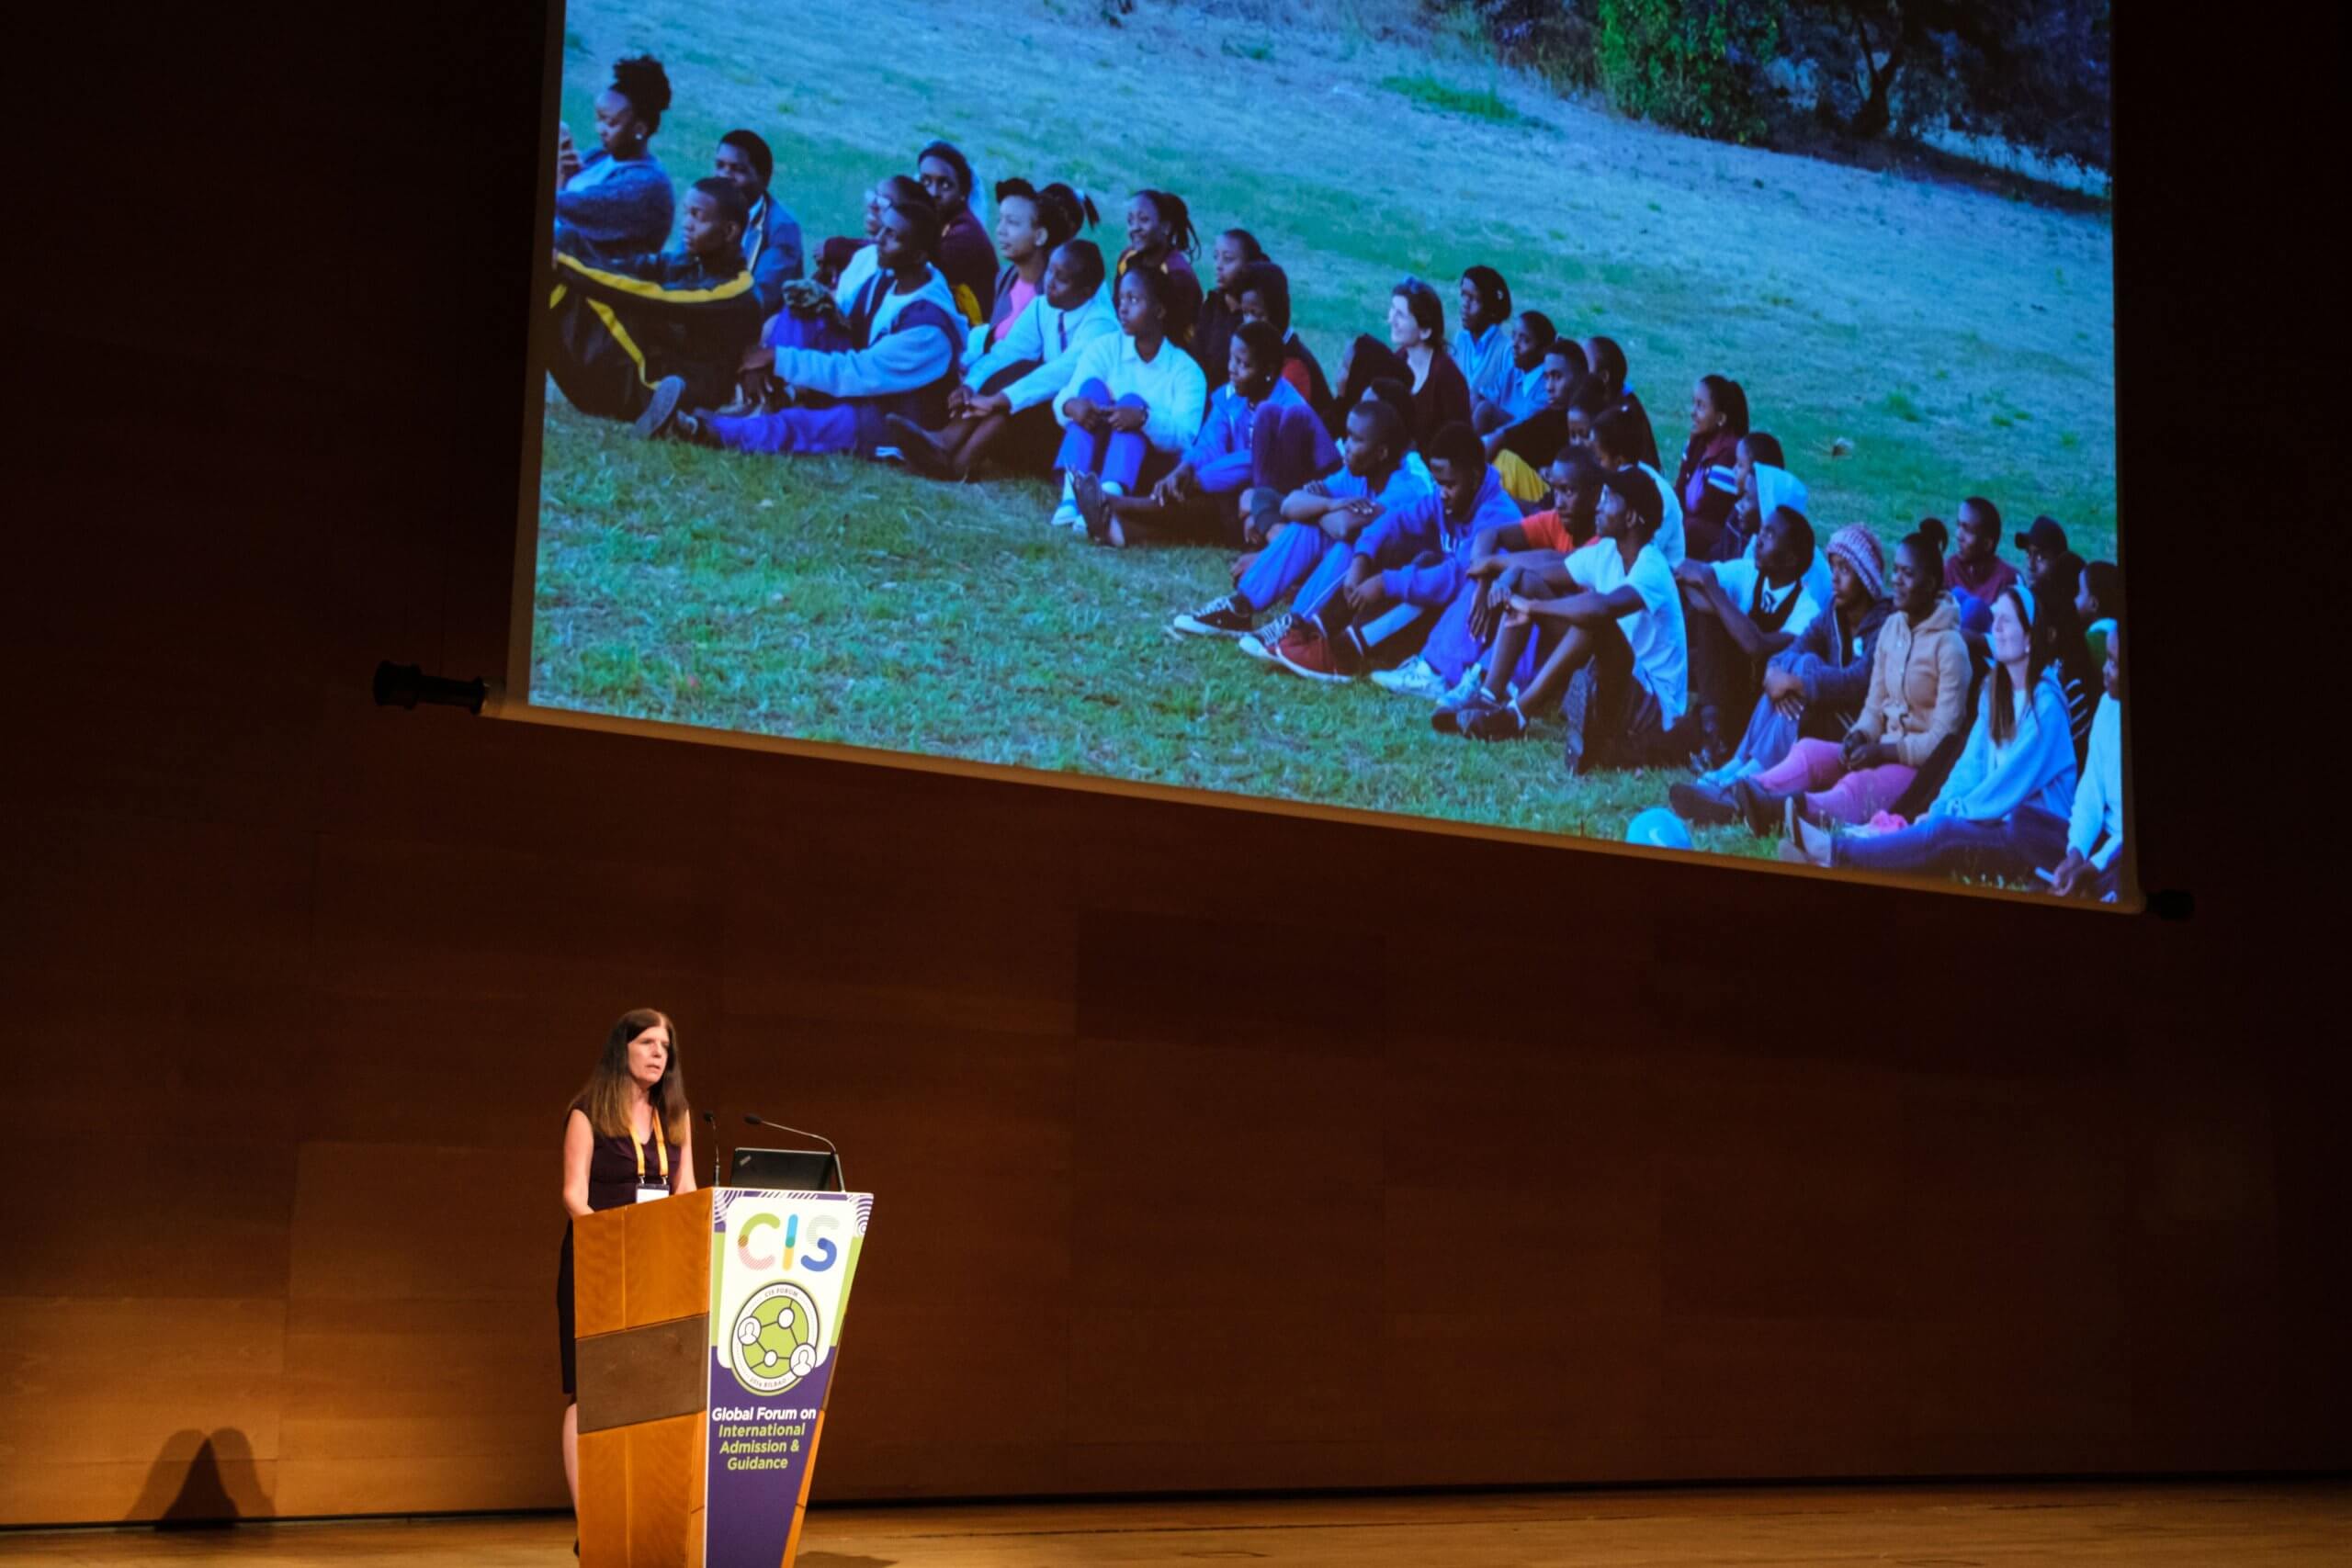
[1115, 457]
[811, 431]
[1451, 649]
[1292, 551]
[1330, 570]
[790, 430]
[2031, 838]
[1387, 548]
[786, 330]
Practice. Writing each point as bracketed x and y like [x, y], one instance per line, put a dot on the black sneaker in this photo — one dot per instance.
[1229, 617]
[1455, 720]
[1495, 723]
[654, 420]
[1703, 805]
[1094, 506]
[923, 452]
[1760, 809]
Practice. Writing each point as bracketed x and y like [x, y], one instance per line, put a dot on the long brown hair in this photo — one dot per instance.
[604, 1097]
[2040, 652]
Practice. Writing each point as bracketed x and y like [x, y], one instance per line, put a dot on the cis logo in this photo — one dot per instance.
[757, 1249]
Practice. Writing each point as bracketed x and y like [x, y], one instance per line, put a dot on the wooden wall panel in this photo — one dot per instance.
[1214, 1148]
[389, 1399]
[141, 1405]
[132, 1202]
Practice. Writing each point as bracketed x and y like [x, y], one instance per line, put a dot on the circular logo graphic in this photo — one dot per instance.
[775, 1342]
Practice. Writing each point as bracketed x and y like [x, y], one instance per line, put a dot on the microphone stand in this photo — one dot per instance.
[840, 1176]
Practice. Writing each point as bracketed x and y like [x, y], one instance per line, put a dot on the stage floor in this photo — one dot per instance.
[2145, 1526]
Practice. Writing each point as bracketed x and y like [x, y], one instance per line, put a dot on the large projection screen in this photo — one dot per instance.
[1374, 410]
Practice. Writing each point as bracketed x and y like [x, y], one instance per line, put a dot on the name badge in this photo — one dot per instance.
[648, 1193]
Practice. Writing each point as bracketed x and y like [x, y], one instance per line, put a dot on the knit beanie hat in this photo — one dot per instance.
[1858, 547]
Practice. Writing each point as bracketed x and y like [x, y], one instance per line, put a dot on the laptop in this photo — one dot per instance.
[786, 1170]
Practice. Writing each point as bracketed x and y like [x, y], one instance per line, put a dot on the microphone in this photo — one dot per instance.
[710, 1121]
[839, 1174]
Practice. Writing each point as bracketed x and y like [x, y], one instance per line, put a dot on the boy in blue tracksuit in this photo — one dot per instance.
[1409, 563]
[1259, 441]
[904, 333]
[1316, 519]
[625, 324]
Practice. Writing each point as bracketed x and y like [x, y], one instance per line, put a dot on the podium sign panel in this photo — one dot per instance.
[709, 1325]
[780, 1270]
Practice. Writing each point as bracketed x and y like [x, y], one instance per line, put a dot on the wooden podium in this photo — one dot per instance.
[708, 1326]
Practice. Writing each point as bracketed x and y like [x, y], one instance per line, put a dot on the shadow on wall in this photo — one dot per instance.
[203, 1479]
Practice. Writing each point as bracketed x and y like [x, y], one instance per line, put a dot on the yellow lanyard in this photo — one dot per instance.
[660, 1150]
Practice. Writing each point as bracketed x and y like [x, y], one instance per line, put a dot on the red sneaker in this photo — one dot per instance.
[1304, 650]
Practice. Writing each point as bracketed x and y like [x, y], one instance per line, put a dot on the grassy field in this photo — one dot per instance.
[1946, 341]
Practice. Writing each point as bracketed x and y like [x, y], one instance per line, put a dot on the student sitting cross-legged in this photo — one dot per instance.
[1131, 405]
[1259, 439]
[1003, 408]
[624, 323]
[1404, 565]
[1738, 613]
[1504, 559]
[2003, 811]
[1917, 696]
[902, 333]
[1315, 520]
[1614, 658]
[1814, 690]
[2092, 867]
[815, 311]
[1528, 386]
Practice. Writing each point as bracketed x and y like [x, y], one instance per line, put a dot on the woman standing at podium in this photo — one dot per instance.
[626, 1140]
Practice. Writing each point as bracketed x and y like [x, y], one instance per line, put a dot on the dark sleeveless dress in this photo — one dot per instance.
[612, 1184]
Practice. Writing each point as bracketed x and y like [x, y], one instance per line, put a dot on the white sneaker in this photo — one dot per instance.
[1473, 680]
[1414, 678]
[1260, 644]
[1730, 773]
[1066, 515]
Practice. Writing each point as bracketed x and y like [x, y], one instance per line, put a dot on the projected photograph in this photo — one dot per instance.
[1641, 421]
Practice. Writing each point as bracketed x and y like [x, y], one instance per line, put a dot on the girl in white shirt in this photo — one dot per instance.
[1133, 402]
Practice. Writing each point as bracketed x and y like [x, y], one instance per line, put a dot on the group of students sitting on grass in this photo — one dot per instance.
[1482, 522]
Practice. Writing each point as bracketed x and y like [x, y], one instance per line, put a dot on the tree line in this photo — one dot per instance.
[2034, 73]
